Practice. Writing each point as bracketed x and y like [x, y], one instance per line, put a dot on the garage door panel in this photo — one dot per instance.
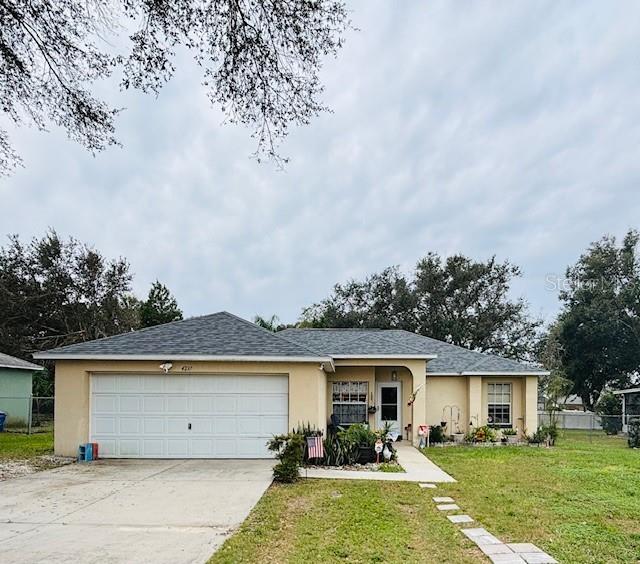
[130, 447]
[131, 384]
[224, 425]
[153, 447]
[246, 446]
[106, 404]
[203, 404]
[149, 416]
[178, 447]
[108, 447]
[178, 404]
[273, 425]
[201, 426]
[225, 448]
[154, 426]
[225, 404]
[153, 404]
[249, 426]
[129, 404]
[129, 426]
[249, 404]
[177, 384]
[105, 384]
[201, 447]
[177, 425]
[274, 404]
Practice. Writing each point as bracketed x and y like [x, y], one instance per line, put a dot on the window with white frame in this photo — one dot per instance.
[499, 405]
[350, 402]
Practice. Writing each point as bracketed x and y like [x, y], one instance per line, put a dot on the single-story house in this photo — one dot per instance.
[219, 386]
[630, 405]
[16, 383]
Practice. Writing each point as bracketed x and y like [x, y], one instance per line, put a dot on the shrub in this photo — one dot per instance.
[359, 435]
[436, 434]
[609, 408]
[633, 428]
[508, 432]
[289, 451]
[484, 434]
[544, 433]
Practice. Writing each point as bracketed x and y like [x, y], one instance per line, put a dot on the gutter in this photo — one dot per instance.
[182, 357]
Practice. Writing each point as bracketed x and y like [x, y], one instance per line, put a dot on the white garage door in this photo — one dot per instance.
[180, 416]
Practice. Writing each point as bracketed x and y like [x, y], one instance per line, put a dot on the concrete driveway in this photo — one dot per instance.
[128, 510]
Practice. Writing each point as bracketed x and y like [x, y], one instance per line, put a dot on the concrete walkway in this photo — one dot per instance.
[418, 468]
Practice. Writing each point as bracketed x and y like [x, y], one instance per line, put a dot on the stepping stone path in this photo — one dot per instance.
[431, 486]
[448, 507]
[460, 518]
[497, 551]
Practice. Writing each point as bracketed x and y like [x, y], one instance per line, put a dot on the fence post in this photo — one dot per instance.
[30, 413]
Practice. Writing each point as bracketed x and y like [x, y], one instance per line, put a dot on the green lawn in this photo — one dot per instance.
[347, 521]
[19, 446]
[579, 501]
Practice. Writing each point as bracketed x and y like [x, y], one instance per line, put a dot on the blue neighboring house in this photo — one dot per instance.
[16, 381]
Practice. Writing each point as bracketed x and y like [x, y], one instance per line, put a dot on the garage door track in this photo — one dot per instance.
[130, 511]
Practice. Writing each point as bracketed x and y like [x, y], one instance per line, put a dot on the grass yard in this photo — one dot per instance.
[347, 521]
[15, 446]
[579, 501]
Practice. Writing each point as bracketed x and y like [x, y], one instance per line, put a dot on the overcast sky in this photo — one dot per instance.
[506, 128]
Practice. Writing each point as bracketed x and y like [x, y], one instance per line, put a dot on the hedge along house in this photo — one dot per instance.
[16, 384]
[219, 386]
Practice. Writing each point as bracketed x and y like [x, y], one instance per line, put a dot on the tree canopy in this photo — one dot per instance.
[159, 307]
[56, 292]
[260, 60]
[598, 330]
[456, 300]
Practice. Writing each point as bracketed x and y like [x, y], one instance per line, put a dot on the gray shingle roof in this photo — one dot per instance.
[218, 334]
[225, 335]
[7, 361]
[451, 359]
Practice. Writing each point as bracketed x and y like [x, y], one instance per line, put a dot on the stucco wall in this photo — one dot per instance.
[307, 391]
[15, 384]
[470, 395]
[443, 393]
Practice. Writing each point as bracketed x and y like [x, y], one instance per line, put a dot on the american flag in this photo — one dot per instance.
[314, 447]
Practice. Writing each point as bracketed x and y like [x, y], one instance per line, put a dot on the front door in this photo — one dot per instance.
[390, 405]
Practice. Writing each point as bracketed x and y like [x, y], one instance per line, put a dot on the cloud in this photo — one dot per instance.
[482, 128]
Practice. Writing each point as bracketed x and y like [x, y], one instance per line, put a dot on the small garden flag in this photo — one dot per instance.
[314, 447]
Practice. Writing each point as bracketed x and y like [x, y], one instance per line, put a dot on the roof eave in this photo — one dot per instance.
[627, 391]
[492, 373]
[182, 357]
[32, 368]
[385, 356]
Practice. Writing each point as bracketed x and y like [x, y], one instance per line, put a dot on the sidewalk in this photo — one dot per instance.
[418, 468]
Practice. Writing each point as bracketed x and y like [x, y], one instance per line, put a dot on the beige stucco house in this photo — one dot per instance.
[219, 386]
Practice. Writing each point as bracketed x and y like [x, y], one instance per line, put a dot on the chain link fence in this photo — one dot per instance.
[587, 421]
[30, 414]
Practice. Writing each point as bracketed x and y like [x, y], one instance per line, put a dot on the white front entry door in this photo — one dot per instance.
[389, 405]
[187, 416]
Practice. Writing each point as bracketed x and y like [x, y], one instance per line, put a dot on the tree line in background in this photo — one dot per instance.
[591, 348]
[56, 292]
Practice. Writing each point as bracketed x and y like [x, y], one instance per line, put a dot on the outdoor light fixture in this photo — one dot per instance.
[394, 376]
[165, 367]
